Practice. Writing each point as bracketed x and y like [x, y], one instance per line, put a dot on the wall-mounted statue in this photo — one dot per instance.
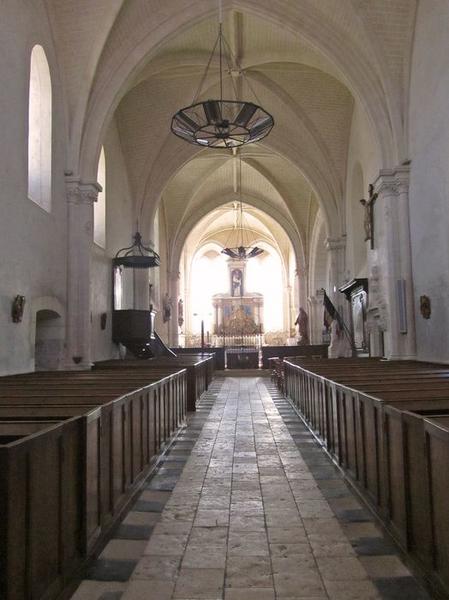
[303, 327]
[17, 308]
[180, 312]
[368, 221]
[425, 307]
[166, 308]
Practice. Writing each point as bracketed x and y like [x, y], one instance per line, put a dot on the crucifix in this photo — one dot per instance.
[368, 221]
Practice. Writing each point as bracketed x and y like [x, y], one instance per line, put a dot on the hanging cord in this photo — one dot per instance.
[240, 69]
[241, 202]
[220, 35]
[203, 78]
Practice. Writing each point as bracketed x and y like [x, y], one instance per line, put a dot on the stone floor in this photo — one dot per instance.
[247, 506]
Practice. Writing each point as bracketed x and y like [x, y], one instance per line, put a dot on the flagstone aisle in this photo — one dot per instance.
[259, 513]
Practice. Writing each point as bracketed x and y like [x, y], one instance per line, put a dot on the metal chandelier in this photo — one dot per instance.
[222, 123]
[243, 250]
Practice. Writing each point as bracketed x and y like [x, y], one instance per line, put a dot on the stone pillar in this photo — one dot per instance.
[390, 265]
[316, 318]
[302, 287]
[173, 292]
[336, 264]
[80, 199]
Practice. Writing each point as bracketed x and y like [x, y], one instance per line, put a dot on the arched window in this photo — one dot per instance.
[100, 204]
[39, 130]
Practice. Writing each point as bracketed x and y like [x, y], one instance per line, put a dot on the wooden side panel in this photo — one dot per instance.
[396, 510]
[437, 450]
[93, 490]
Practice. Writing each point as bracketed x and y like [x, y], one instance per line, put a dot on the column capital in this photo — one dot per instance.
[392, 181]
[82, 192]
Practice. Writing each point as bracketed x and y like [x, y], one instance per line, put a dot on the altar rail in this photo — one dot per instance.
[74, 449]
[387, 425]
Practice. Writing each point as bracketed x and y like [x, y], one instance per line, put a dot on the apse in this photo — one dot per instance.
[230, 298]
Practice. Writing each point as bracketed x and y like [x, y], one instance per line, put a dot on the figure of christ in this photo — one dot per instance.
[368, 219]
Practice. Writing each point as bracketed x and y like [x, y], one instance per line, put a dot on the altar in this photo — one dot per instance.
[238, 314]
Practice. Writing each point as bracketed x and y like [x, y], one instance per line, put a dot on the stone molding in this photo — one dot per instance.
[79, 192]
[392, 182]
[335, 244]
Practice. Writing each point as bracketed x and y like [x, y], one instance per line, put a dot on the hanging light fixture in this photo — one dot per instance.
[243, 250]
[137, 256]
[222, 123]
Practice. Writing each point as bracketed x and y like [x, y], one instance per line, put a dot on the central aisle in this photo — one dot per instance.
[255, 515]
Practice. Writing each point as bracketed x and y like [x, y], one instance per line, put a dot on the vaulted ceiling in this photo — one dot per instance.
[307, 62]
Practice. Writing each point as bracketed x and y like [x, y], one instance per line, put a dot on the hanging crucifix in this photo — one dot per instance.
[368, 221]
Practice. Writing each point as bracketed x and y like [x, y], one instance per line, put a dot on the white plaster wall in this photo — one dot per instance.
[119, 230]
[32, 241]
[363, 151]
[429, 185]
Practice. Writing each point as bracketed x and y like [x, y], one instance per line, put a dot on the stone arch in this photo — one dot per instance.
[47, 333]
[173, 157]
[318, 271]
[318, 278]
[214, 203]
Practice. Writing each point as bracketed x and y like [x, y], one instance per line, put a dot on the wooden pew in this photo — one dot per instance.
[92, 450]
[41, 486]
[318, 350]
[387, 425]
[199, 369]
[218, 353]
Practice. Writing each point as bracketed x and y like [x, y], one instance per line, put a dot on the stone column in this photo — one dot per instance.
[390, 264]
[336, 265]
[173, 292]
[302, 287]
[80, 199]
[316, 318]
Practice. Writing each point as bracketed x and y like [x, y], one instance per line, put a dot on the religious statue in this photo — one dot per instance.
[237, 282]
[166, 308]
[369, 214]
[303, 327]
[339, 346]
[17, 308]
[180, 312]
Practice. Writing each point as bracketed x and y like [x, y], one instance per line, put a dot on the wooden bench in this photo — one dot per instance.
[71, 460]
[218, 354]
[387, 425]
[200, 371]
[317, 350]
